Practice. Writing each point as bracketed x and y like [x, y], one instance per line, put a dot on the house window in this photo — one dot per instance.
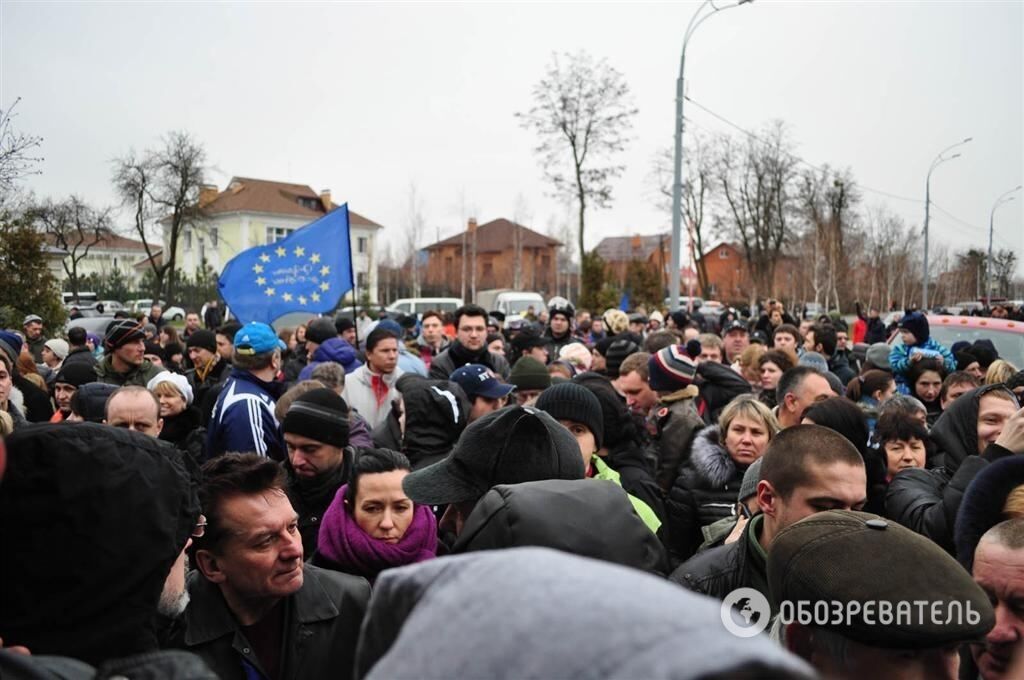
[361, 244]
[723, 254]
[361, 281]
[188, 239]
[214, 237]
[275, 234]
[202, 249]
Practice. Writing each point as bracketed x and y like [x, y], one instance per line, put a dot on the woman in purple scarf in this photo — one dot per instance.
[371, 525]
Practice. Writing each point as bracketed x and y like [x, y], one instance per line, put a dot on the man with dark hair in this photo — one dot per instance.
[243, 417]
[256, 610]
[822, 338]
[999, 569]
[34, 338]
[798, 388]
[78, 349]
[432, 340]
[787, 337]
[956, 384]
[213, 317]
[805, 469]
[370, 389]
[225, 340]
[69, 378]
[558, 333]
[469, 347]
[315, 431]
[125, 362]
[345, 327]
[156, 316]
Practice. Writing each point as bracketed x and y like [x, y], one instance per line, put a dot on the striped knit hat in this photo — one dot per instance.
[671, 369]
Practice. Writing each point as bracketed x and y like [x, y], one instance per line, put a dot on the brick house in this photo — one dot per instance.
[729, 277]
[495, 259]
[618, 251]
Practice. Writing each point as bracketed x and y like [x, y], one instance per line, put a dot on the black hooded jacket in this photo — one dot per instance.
[92, 519]
[436, 413]
[456, 356]
[587, 517]
[927, 501]
[718, 385]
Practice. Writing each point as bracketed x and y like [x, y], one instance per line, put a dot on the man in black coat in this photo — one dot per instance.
[470, 346]
[805, 469]
[100, 518]
[256, 609]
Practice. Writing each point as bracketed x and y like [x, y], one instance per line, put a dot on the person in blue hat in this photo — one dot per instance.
[243, 418]
[487, 392]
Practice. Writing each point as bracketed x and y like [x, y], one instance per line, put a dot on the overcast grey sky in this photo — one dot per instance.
[365, 99]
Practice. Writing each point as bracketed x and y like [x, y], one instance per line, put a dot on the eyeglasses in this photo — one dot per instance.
[200, 529]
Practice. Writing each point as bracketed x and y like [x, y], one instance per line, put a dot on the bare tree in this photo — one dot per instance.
[582, 113]
[828, 198]
[1004, 264]
[161, 186]
[698, 189]
[520, 215]
[16, 151]
[757, 184]
[75, 227]
[414, 225]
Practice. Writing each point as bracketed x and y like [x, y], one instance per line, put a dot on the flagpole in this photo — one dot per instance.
[352, 277]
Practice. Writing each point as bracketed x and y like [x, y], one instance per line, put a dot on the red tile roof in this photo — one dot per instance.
[496, 236]
[245, 194]
[108, 240]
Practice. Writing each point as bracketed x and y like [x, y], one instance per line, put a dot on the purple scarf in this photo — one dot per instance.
[342, 541]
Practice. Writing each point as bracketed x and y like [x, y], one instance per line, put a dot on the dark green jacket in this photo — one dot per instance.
[141, 375]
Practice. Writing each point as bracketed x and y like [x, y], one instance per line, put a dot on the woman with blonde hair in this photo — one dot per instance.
[999, 371]
[712, 474]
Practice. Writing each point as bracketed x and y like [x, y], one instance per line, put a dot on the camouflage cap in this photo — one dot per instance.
[846, 560]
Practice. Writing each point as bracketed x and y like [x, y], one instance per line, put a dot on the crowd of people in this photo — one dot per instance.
[565, 492]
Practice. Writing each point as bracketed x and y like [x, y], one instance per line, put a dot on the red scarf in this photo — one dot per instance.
[380, 388]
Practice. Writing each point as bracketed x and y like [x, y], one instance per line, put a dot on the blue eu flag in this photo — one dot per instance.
[308, 271]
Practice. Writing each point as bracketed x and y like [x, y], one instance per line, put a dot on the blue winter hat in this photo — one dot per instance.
[391, 325]
[257, 338]
[10, 344]
[916, 323]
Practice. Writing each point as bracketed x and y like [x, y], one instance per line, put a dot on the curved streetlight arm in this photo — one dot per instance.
[939, 160]
[677, 181]
[1005, 198]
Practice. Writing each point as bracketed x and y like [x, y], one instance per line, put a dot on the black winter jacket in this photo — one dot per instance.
[719, 571]
[320, 630]
[310, 498]
[718, 385]
[456, 356]
[927, 501]
[705, 491]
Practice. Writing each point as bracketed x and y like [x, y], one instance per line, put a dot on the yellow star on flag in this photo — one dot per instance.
[325, 286]
[299, 251]
[260, 280]
[264, 258]
[316, 297]
[281, 251]
[314, 258]
[287, 297]
[258, 268]
[302, 299]
[270, 292]
[325, 270]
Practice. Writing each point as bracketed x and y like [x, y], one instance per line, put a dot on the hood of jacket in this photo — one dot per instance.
[982, 504]
[549, 602]
[340, 352]
[98, 515]
[436, 413]
[710, 459]
[955, 433]
[587, 517]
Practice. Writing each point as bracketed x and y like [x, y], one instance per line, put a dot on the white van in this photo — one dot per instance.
[418, 306]
[510, 302]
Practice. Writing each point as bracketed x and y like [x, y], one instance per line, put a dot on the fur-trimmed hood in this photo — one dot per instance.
[710, 459]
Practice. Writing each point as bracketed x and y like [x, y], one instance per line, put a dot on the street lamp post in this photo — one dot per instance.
[939, 160]
[677, 183]
[1005, 198]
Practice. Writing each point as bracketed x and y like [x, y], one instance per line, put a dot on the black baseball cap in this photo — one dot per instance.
[513, 445]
